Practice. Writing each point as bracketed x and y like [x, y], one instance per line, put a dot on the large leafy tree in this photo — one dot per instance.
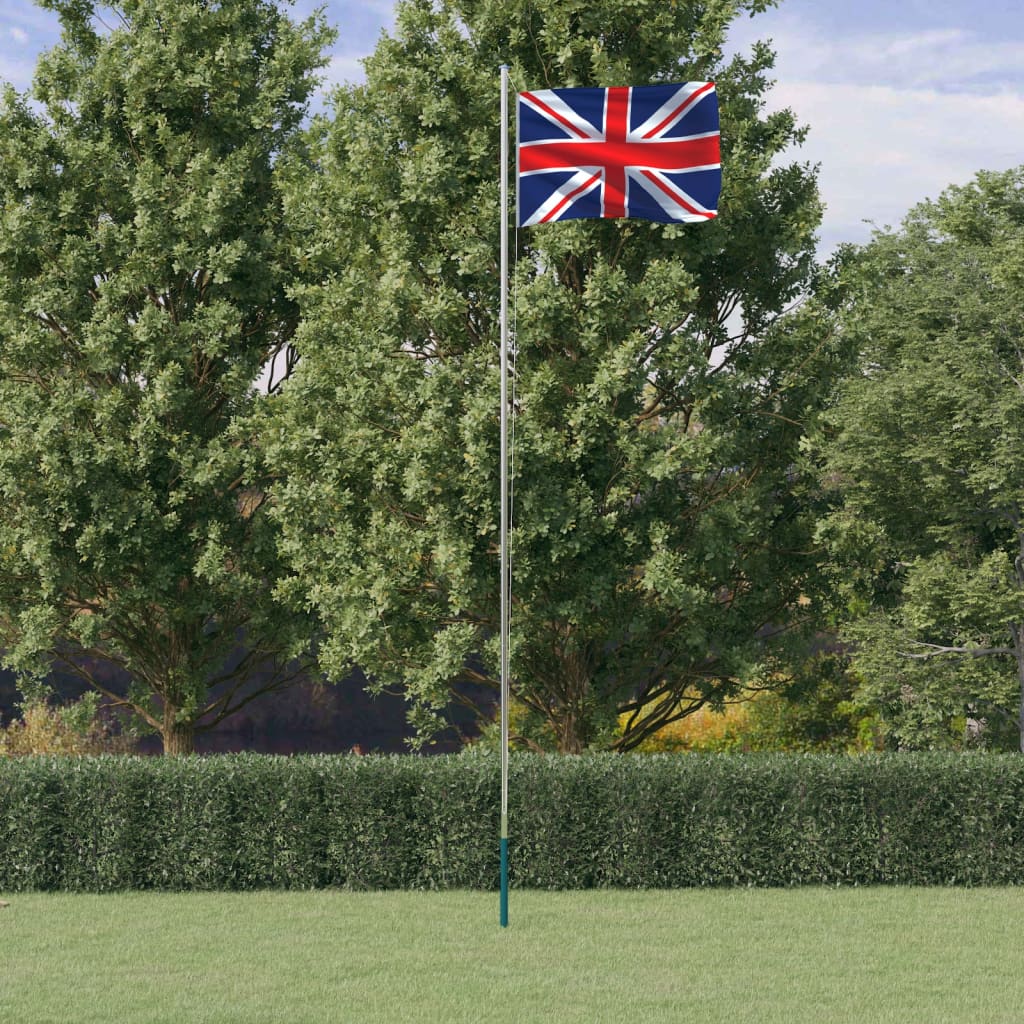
[661, 538]
[925, 457]
[143, 274]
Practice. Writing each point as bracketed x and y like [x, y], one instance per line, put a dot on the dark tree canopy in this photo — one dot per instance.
[144, 273]
[662, 536]
[925, 457]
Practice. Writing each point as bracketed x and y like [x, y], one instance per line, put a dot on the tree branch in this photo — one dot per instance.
[938, 650]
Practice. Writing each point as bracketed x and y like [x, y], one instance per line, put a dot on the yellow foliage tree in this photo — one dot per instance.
[74, 729]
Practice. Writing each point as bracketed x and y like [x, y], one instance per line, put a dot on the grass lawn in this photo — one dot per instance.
[916, 956]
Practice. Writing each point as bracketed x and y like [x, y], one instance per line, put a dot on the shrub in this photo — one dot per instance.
[76, 728]
[250, 821]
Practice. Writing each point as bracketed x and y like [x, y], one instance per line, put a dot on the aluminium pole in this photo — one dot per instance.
[505, 581]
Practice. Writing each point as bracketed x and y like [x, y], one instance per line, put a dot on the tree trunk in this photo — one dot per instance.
[569, 739]
[179, 737]
[572, 727]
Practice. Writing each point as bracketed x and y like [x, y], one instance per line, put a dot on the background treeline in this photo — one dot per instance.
[249, 392]
[309, 717]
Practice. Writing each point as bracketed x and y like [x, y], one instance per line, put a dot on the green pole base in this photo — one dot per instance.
[504, 882]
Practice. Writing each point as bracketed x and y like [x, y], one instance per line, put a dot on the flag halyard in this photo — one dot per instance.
[649, 152]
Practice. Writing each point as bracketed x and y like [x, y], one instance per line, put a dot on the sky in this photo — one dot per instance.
[902, 97]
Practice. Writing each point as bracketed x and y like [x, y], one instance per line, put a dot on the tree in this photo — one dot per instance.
[143, 285]
[813, 712]
[661, 538]
[925, 458]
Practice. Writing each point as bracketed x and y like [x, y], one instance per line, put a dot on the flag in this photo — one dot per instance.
[634, 151]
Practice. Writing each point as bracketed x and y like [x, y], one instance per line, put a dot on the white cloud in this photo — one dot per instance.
[25, 31]
[928, 40]
[16, 71]
[943, 59]
[883, 149]
[896, 118]
[343, 69]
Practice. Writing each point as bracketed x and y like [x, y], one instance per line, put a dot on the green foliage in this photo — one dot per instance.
[661, 515]
[659, 821]
[825, 720]
[143, 274]
[527, 730]
[924, 455]
[817, 710]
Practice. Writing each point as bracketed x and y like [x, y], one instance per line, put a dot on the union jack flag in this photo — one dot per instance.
[638, 151]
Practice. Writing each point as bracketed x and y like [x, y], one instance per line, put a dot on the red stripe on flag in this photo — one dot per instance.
[660, 154]
[616, 122]
[677, 198]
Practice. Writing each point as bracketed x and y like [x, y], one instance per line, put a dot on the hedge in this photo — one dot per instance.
[250, 821]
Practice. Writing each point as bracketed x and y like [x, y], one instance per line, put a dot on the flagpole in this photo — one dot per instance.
[506, 586]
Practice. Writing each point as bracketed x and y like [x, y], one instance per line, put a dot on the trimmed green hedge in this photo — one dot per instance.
[249, 821]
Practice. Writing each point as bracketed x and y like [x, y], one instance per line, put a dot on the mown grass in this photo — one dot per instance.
[818, 955]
